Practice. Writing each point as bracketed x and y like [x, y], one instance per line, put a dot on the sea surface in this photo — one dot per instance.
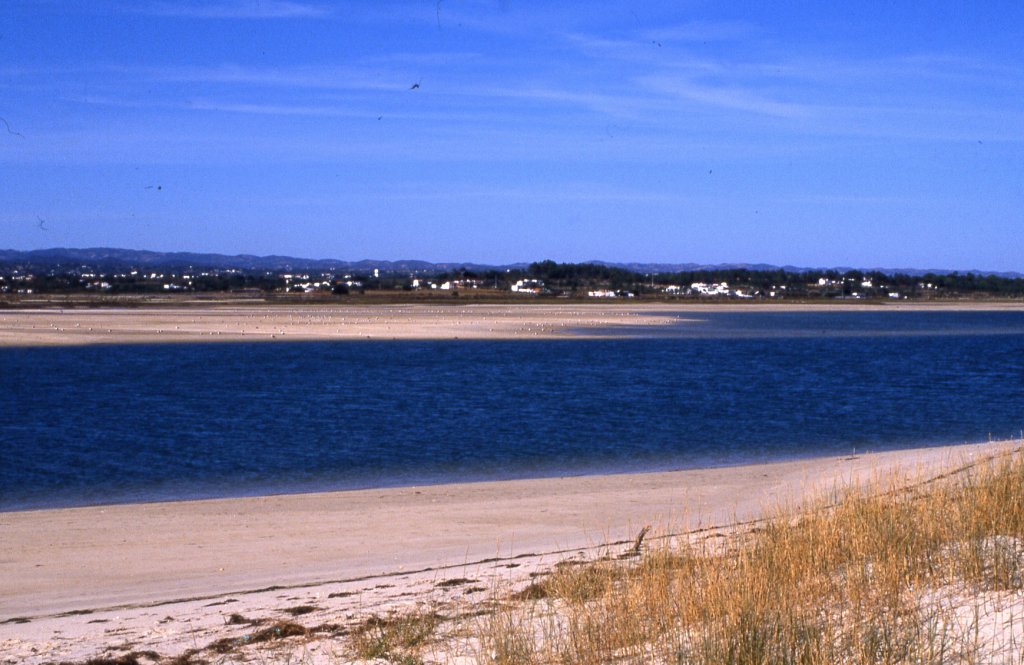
[130, 423]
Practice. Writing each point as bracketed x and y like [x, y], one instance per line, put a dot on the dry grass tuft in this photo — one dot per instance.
[397, 639]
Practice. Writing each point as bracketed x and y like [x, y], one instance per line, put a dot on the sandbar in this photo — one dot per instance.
[321, 322]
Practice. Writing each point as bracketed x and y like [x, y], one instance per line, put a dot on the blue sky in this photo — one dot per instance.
[874, 134]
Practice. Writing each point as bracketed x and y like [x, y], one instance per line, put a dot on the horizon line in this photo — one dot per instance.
[790, 267]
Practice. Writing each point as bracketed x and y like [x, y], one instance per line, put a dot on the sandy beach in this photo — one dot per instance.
[163, 577]
[225, 323]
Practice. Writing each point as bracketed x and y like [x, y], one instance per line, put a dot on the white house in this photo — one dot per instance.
[531, 286]
[700, 288]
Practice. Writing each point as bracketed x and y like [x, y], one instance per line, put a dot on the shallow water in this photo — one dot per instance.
[84, 425]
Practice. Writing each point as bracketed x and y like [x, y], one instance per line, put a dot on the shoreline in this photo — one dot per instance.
[543, 514]
[564, 476]
[163, 577]
[21, 328]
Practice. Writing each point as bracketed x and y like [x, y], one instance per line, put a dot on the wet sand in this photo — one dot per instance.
[160, 572]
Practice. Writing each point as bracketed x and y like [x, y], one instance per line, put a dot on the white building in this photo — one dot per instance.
[702, 289]
[531, 286]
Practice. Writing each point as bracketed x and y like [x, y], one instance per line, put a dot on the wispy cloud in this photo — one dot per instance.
[325, 77]
[271, 109]
[605, 103]
[332, 111]
[729, 97]
[586, 192]
[369, 74]
[238, 9]
[357, 82]
[705, 31]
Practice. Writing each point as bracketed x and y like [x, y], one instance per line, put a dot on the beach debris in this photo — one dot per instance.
[237, 619]
[127, 659]
[454, 581]
[16, 620]
[637, 544]
[299, 610]
[278, 631]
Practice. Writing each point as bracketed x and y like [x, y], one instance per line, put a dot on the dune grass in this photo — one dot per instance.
[396, 639]
[881, 574]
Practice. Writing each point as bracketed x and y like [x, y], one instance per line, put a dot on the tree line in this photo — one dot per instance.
[558, 278]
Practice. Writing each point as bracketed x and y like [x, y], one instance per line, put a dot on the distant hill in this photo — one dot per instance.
[109, 258]
[648, 268]
[114, 259]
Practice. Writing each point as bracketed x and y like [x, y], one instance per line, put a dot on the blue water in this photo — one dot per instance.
[108, 424]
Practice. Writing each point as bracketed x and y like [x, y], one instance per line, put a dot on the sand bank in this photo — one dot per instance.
[161, 576]
[36, 327]
[255, 323]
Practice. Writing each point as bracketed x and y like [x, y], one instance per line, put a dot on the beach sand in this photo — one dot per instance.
[167, 577]
[223, 323]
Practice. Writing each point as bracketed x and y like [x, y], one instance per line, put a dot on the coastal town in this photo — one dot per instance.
[111, 276]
